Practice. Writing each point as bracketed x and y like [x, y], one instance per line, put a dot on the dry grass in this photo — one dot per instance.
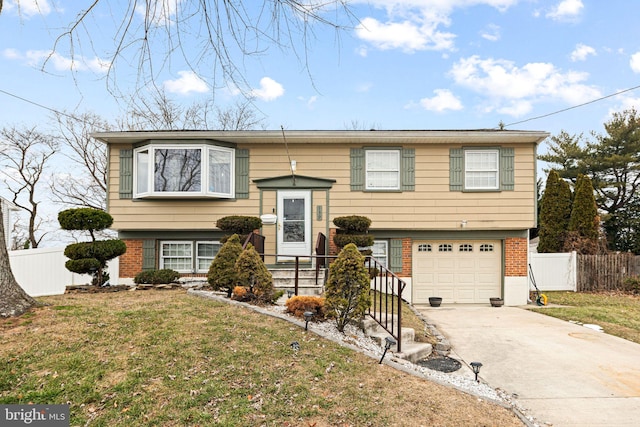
[164, 358]
[617, 313]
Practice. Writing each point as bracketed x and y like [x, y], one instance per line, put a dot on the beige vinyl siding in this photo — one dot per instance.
[431, 206]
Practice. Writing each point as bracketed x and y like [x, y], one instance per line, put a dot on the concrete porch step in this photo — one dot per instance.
[411, 350]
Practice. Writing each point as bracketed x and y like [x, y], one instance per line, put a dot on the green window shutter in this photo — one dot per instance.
[357, 169]
[395, 255]
[148, 254]
[126, 174]
[408, 170]
[456, 169]
[507, 174]
[242, 174]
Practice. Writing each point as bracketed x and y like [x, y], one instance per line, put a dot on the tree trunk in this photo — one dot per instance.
[13, 299]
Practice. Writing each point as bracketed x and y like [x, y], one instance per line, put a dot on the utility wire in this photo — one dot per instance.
[571, 108]
[39, 105]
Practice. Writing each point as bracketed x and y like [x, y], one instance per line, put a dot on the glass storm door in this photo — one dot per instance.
[294, 224]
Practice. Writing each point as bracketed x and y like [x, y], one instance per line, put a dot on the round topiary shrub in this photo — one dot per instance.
[353, 224]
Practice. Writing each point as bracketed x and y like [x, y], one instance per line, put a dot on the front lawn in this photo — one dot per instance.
[618, 314]
[165, 358]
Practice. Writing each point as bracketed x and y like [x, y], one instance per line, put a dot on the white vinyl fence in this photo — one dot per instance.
[41, 271]
[554, 272]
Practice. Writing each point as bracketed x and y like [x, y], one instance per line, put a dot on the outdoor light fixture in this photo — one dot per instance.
[476, 368]
[289, 293]
[388, 343]
[308, 315]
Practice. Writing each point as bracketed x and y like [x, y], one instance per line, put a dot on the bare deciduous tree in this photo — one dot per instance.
[87, 186]
[212, 38]
[24, 153]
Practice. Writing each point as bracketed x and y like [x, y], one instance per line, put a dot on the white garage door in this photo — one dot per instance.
[457, 271]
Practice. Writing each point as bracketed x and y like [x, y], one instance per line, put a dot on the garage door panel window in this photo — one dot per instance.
[424, 247]
[486, 247]
[465, 248]
[445, 247]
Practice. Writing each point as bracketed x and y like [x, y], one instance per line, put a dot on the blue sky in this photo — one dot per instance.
[403, 64]
[406, 64]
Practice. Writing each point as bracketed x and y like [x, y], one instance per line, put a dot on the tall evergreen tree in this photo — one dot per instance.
[612, 161]
[584, 212]
[555, 212]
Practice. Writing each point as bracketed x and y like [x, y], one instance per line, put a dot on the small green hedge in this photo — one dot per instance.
[156, 277]
[353, 223]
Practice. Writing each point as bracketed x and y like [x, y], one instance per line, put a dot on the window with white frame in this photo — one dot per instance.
[184, 171]
[382, 169]
[380, 251]
[188, 256]
[481, 169]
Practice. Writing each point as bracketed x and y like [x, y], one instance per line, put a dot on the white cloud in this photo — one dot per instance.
[44, 58]
[269, 90]
[634, 62]
[407, 36]
[442, 101]
[187, 83]
[566, 10]
[513, 90]
[581, 52]
[416, 25]
[28, 8]
[491, 33]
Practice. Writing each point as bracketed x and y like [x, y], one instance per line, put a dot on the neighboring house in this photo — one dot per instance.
[450, 210]
[7, 219]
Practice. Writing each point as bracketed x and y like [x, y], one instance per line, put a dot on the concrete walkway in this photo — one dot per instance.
[561, 373]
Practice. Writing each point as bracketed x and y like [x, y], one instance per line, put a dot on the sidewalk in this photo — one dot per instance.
[563, 374]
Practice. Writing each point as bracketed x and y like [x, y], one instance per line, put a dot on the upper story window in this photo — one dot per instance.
[481, 169]
[383, 169]
[183, 171]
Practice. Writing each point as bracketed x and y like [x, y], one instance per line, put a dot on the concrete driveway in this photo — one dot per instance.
[561, 373]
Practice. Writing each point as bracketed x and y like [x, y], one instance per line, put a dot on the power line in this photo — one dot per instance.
[571, 108]
[39, 105]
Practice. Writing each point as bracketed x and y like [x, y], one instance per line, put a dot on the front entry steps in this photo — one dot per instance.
[284, 279]
[411, 350]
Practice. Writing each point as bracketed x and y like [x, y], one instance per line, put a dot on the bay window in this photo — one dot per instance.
[183, 171]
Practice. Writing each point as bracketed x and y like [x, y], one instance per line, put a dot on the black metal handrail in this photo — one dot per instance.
[386, 288]
[386, 292]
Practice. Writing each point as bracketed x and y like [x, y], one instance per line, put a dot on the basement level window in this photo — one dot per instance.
[196, 170]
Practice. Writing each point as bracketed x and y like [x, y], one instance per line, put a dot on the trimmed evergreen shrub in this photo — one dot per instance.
[156, 277]
[298, 304]
[237, 224]
[222, 274]
[347, 289]
[353, 224]
[90, 257]
[360, 240]
[254, 275]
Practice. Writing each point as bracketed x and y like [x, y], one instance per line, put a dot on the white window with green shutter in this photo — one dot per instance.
[481, 169]
[382, 169]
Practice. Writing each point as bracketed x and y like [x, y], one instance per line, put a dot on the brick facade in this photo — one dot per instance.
[407, 243]
[131, 261]
[516, 257]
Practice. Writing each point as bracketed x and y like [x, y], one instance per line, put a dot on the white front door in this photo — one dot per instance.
[294, 223]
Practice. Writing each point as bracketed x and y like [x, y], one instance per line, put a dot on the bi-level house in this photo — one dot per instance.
[450, 209]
